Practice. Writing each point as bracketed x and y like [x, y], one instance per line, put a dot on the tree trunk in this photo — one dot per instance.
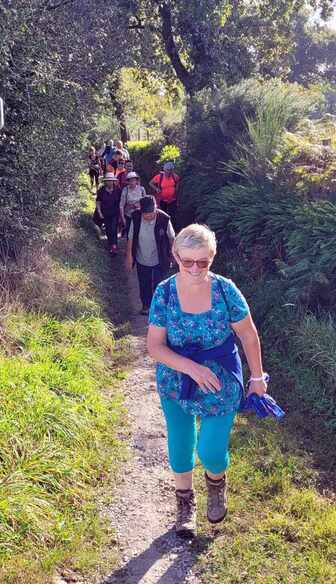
[114, 88]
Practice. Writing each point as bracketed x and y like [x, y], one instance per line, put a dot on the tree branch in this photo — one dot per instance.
[168, 37]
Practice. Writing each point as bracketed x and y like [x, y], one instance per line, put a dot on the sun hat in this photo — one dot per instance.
[147, 204]
[168, 166]
[131, 175]
[110, 176]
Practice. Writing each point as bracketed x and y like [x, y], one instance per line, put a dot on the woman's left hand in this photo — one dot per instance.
[258, 387]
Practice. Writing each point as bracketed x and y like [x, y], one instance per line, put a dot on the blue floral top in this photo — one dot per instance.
[206, 329]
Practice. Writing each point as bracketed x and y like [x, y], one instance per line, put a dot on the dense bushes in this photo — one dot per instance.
[145, 156]
[48, 83]
[149, 157]
[275, 219]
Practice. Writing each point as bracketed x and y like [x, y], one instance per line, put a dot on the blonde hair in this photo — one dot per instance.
[195, 235]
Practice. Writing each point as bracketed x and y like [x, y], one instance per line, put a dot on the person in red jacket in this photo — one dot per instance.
[166, 185]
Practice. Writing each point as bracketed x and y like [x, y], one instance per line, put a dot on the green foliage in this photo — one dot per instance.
[145, 156]
[279, 242]
[278, 528]
[314, 347]
[211, 41]
[170, 152]
[197, 187]
[147, 101]
[280, 107]
[61, 411]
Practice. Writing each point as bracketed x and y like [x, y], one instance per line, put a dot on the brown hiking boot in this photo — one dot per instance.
[186, 514]
[217, 499]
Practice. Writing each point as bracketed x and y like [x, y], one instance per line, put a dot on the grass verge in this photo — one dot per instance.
[281, 526]
[63, 352]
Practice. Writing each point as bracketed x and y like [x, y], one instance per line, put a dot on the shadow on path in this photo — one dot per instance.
[149, 562]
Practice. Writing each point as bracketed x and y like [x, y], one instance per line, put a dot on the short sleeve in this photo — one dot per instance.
[156, 179]
[99, 195]
[158, 308]
[236, 301]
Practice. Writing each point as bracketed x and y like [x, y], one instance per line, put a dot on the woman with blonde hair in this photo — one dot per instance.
[193, 318]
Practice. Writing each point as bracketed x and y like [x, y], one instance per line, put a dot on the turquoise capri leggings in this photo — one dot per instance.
[211, 443]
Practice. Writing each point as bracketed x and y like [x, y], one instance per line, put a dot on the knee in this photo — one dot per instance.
[181, 460]
[181, 449]
[213, 458]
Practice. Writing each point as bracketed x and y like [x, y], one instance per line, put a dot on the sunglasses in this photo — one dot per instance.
[202, 264]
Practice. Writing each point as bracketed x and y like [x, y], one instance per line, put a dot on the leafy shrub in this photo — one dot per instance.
[145, 156]
[170, 152]
[311, 245]
[196, 189]
[280, 107]
[275, 240]
[314, 346]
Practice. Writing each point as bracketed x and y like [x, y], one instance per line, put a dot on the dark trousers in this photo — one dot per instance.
[149, 278]
[111, 227]
[128, 225]
[94, 177]
[171, 209]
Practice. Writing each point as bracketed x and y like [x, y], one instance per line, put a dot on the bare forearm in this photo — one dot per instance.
[252, 350]
[162, 354]
[129, 249]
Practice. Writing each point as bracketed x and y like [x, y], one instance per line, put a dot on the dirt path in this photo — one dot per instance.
[144, 506]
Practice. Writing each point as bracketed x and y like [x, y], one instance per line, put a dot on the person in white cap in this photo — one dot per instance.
[107, 206]
[130, 199]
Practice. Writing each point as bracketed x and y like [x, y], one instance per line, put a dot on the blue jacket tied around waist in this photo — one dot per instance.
[226, 354]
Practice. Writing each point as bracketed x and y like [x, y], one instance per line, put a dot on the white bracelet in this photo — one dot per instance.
[265, 377]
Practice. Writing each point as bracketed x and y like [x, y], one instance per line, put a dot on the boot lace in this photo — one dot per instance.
[184, 510]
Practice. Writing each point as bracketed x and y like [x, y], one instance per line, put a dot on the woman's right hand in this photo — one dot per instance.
[206, 380]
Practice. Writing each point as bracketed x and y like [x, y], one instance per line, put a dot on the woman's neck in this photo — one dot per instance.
[194, 286]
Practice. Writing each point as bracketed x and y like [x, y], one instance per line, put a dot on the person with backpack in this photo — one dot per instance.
[165, 185]
[149, 248]
[107, 209]
[194, 317]
[115, 162]
[131, 195]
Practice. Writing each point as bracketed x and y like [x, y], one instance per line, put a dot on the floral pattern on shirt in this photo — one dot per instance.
[206, 329]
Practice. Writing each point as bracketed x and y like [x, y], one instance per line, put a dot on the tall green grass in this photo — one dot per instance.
[279, 529]
[61, 411]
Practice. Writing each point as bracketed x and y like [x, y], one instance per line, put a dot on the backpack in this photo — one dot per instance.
[142, 193]
[131, 205]
[175, 179]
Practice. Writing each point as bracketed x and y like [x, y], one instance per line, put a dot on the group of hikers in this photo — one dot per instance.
[123, 208]
[194, 316]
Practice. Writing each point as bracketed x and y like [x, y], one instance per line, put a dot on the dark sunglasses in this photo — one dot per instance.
[189, 263]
